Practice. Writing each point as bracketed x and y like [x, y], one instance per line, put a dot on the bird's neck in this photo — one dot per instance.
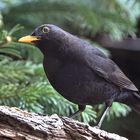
[64, 48]
[46, 47]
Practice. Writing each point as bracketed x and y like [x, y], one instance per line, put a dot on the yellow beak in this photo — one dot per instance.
[28, 39]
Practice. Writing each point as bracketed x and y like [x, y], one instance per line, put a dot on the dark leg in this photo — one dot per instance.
[103, 115]
[81, 109]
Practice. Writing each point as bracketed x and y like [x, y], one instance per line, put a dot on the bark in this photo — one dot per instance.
[16, 124]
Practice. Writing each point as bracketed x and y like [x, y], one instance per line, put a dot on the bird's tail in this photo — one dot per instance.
[136, 105]
[136, 108]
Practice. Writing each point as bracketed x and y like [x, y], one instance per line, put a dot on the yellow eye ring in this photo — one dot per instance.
[45, 30]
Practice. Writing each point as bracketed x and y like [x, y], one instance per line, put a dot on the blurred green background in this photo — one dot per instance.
[113, 26]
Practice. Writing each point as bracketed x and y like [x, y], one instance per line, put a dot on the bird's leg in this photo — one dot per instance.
[104, 113]
[81, 108]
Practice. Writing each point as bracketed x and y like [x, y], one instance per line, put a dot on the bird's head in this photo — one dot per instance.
[45, 35]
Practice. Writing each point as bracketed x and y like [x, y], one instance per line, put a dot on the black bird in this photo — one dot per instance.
[81, 73]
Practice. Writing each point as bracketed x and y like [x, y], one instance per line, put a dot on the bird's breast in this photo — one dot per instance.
[51, 66]
[77, 82]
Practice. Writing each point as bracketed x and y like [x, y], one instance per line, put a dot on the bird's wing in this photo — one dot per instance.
[107, 69]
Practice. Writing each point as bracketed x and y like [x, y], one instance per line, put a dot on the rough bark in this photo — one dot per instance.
[16, 124]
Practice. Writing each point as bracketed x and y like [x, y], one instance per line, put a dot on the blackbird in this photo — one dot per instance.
[80, 72]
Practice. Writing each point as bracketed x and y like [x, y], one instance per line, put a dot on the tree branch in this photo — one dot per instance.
[16, 124]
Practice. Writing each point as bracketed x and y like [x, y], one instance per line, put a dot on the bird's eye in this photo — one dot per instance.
[45, 30]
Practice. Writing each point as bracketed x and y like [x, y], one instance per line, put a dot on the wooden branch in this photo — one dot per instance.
[16, 124]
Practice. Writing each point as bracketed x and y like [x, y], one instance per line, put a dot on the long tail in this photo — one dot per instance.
[136, 106]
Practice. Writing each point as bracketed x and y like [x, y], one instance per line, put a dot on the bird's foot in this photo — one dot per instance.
[41, 114]
[97, 127]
